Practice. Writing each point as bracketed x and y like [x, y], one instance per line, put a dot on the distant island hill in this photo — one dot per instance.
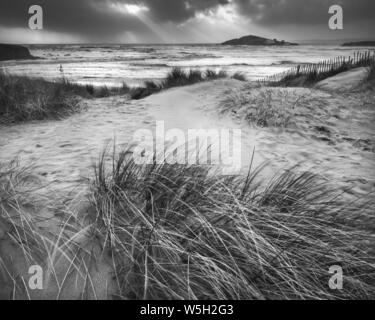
[360, 44]
[14, 52]
[257, 41]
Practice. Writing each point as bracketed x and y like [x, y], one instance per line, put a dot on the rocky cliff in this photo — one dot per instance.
[14, 52]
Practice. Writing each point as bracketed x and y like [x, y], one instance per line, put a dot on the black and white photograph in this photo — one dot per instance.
[187, 150]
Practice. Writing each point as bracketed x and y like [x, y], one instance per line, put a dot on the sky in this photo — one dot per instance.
[183, 21]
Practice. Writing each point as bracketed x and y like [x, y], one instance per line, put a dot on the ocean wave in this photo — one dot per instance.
[192, 56]
[99, 47]
[284, 62]
[156, 65]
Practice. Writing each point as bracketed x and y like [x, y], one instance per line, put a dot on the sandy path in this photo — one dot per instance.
[62, 152]
[333, 134]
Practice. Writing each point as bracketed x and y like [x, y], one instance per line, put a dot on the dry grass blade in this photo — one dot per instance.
[182, 232]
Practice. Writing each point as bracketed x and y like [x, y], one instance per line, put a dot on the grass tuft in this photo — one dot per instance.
[184, 232]
[239, 76]
[265, 107]
[25, 99]
[177, 77]
[62, 245]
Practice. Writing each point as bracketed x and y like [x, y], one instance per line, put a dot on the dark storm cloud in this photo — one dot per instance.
[303, 12]
[100, 18]
[179, 10]
[83, 17]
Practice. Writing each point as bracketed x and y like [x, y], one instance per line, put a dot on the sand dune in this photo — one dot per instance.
[345, 81]
[329, 133]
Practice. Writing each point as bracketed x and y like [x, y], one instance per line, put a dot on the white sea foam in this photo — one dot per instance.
[113, 65]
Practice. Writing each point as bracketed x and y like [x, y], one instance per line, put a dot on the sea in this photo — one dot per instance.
[113, 65]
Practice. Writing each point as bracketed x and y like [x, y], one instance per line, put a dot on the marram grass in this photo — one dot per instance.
[25, 99]
[183, 232]
[178, 77]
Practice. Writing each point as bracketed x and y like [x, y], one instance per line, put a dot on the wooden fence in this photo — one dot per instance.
[323, 69]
